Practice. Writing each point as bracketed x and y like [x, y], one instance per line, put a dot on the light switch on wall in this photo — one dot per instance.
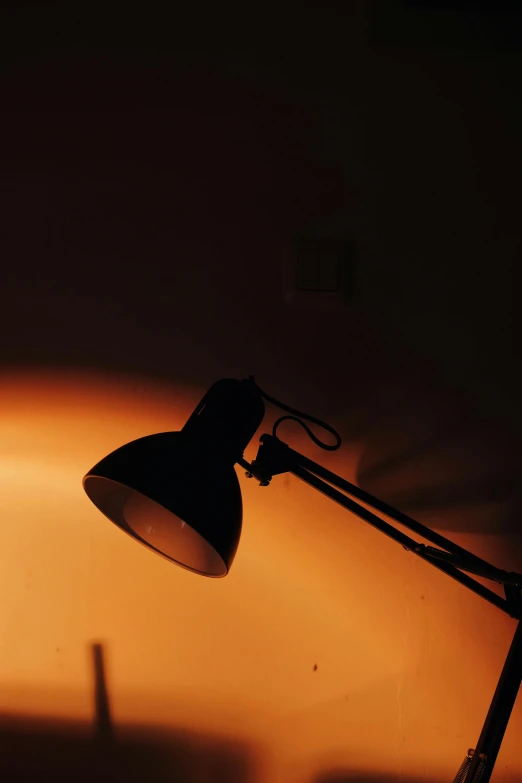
[318, 272]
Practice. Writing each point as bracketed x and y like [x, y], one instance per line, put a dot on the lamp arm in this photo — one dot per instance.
[460, 557]
[408, 543]
[275, 457]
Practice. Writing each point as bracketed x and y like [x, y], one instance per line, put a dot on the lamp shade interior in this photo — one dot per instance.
[162, 530]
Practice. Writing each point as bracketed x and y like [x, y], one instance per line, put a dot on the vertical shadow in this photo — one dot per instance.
[61, 750]
[103, 721]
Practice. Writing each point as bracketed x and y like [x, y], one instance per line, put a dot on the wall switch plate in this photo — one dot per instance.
[318, 272]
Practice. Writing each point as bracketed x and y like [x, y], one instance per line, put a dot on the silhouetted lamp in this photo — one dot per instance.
[178, 494]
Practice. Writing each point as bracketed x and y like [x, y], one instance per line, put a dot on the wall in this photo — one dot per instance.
[150, 197]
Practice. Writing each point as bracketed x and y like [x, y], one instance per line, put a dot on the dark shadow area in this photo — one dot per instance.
[347, 776]
[452, 24]
[152, 187]
[153, 182]
[39, 749]
[145, 185]
[439, 458]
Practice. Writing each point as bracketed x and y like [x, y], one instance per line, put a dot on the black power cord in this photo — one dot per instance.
[298, 416]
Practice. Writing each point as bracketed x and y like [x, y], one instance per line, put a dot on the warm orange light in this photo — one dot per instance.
[300, 649]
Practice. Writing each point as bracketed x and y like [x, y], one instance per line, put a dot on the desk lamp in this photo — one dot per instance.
[178, 494]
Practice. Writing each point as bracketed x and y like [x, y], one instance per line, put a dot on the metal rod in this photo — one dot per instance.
[499, 713]
[401, 538]
[396, 515]
[465, 564]
[276, 457]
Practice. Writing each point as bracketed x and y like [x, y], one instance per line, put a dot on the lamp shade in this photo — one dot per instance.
[177, 492]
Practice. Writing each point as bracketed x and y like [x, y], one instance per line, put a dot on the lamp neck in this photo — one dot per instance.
[225, 419]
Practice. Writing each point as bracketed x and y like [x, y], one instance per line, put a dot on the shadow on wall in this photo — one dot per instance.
[43, 749]
[438, 457]
[46, 749]
[177, 150]
[342, 776]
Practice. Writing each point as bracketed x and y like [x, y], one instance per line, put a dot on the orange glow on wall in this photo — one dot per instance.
[326, 648]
